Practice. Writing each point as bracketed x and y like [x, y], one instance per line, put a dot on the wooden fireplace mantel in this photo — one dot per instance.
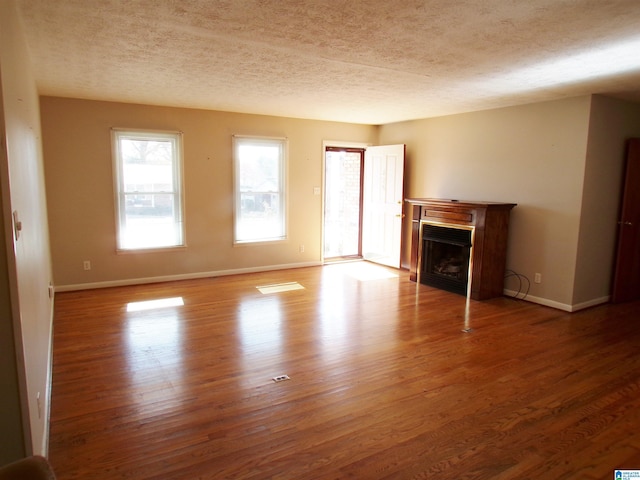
[490, 222]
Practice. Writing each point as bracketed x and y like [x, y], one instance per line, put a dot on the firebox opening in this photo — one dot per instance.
[446, 256]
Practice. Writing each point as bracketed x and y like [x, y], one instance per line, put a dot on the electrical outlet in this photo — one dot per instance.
[301, 248]
[87, 265]
[537, 278]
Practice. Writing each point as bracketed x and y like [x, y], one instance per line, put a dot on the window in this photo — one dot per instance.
[260, 189]
[148, 167]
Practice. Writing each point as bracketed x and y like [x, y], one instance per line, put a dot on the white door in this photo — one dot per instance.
[382, 204]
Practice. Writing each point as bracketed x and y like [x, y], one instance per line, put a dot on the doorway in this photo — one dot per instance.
[343, 203]
[363, 199]
[626, 281]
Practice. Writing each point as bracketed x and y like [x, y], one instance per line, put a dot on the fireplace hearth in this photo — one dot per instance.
[460, 246]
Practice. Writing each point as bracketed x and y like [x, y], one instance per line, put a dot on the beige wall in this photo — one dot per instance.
[557, 160]
[12, 440]
[532, 155]
[612, 122]
[78, 165]
[28, 263]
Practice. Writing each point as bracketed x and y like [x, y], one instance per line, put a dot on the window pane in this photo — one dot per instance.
[147, 165]
[259, 218]
[259, 168]
[149, 207]
[260, 204]
[342, 204]
[156, 205]
[150, 222]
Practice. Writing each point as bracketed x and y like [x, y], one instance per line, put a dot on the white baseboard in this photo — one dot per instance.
[186, 276]
[591, 303]
[560, 306]
[238, 271]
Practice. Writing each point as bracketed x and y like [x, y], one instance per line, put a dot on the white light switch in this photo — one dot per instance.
[17, 225]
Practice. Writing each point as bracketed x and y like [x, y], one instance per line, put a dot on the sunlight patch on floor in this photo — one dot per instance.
[151, 304]
[366, 271]
[279, 287]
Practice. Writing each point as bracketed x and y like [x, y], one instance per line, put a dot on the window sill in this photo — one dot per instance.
[257, 243]
[128, 251]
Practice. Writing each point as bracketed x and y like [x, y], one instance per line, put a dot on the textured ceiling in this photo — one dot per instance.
[372, 62]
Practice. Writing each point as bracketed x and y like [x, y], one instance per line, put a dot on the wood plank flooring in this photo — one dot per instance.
[384, 383]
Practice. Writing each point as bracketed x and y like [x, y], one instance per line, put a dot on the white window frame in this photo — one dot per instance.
[283, 210]
[177, 189]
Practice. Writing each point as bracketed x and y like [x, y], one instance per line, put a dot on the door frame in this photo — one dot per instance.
[626, 278]
[333, 144]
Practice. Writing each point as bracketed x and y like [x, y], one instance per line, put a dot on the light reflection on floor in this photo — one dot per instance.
[344, 320]
[259, 324]
[155, 354]
[260, 337]
[364, 271]
[279, 287]
[153, 304]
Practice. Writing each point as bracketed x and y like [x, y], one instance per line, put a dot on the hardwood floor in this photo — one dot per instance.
[384, 383]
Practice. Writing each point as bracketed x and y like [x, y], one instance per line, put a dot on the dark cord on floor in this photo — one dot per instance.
[517, 296]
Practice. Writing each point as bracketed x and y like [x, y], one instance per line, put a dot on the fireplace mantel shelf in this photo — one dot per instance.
[457, 203]
[490, 222]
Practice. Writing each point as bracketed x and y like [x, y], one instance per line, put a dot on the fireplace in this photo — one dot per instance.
[446, 257]
[460, 246]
